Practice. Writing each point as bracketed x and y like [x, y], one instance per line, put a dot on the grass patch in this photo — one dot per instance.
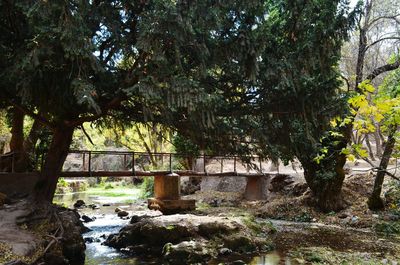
[258, 226]
[388, 228]
[322, 255]
[114, 192]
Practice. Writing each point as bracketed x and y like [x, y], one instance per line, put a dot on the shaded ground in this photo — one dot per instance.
[16, 240]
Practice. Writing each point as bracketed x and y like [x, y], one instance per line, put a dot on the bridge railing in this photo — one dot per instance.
[117, 161]
[131, 162]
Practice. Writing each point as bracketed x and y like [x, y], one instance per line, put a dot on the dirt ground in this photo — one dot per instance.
[354, 235]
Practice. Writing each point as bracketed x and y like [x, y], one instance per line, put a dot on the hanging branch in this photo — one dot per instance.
[86, 134]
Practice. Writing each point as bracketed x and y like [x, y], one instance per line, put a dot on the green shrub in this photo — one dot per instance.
[108, 186]
[388, 228]
[303, 217]
[147, 188]
[83, 186]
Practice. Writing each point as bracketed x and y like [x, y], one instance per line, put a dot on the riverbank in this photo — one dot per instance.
[301, 236]
[40, 234]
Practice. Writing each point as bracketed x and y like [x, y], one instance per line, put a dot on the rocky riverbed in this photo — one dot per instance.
[191, 237]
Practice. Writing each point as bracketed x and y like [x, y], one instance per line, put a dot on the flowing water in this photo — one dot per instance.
[107, 222]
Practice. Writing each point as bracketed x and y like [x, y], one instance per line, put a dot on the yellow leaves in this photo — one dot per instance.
[333, 123]
[366, 87]
[338, 121]
[359, 150]
[351, 157]
[358, 101]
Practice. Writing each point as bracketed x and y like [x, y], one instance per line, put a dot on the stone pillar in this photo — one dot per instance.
[167, 195]
[167, 187]
[257, 188]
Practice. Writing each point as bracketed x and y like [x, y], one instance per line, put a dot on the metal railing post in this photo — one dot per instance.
[133, 164]
[204, 164]
[170, 162]
[83, 161]
[90, 164]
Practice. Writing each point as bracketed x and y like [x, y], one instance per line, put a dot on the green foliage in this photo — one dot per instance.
[4, 131]
[381, 108]
[185, 146]
[147, 188]
[388, 228]
[303, 217]
[108, 186]
[62, 182]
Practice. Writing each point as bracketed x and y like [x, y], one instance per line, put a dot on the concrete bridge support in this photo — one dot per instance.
[257, 188]
[167, 195]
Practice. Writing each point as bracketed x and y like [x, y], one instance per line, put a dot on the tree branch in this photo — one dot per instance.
[86, 134]
[394, 17]
[383, 69]
[38, 117]
[376, 169]
[115, 102]
[382, 39]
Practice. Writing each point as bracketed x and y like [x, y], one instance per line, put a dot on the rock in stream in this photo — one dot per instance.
[189, 237]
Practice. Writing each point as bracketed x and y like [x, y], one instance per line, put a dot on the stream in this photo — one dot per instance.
[107, 222]
[289, 237]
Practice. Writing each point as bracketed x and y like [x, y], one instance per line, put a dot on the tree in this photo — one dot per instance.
[366, 56]
[299, 91]
[68, 54]
[388, 103]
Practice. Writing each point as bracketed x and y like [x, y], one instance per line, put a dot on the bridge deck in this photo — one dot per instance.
[83, 163]
[82, 174]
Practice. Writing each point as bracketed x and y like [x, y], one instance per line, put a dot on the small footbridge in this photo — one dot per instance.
[166, 168]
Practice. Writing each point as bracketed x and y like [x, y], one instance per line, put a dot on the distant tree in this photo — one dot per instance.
[387, 105]
[369, 55]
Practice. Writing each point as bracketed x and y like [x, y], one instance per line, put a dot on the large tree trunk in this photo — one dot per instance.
[375, 201]
[25, 162]
[16, 142]
[327, 191]
[58, 151]
[17, 131]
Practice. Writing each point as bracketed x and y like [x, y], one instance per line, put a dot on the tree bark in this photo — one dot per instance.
[375, 201]
[17, 131]
[378, 141]
[58, 151]
[326, 191]
[370, 151]
[25, 162]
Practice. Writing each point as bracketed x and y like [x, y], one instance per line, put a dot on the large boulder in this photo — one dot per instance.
[190, 251]
[281, 182]
[73, 244]
[189, 185]
[190, 237]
